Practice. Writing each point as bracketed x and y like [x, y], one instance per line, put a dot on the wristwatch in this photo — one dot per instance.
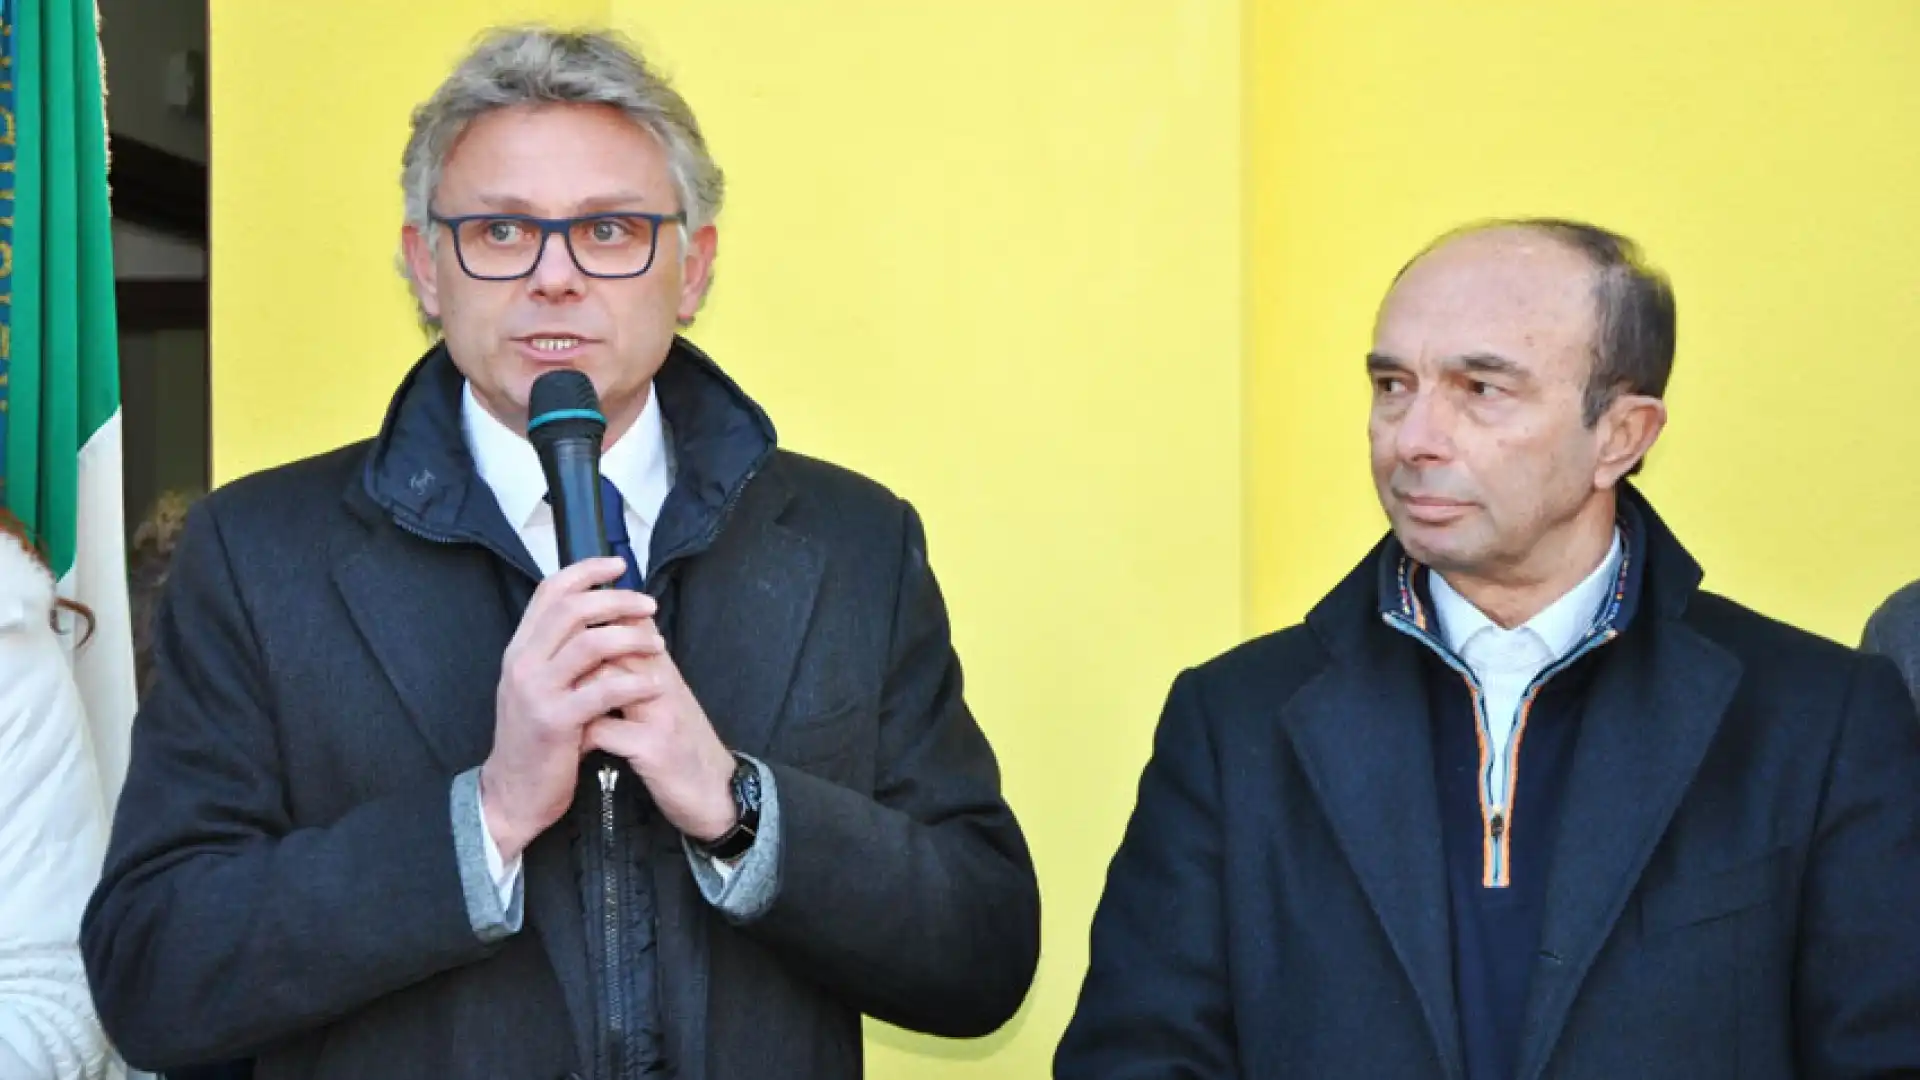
[734, 843]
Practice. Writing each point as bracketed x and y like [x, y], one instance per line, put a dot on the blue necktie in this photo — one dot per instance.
[613, 518]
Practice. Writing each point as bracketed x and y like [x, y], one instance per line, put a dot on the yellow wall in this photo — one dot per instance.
[1762, 152]
[988, 254]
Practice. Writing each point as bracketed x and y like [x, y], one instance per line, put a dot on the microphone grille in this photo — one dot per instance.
[562, 395]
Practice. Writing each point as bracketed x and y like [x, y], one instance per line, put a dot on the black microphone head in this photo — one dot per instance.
[563, 403]
[565, 425]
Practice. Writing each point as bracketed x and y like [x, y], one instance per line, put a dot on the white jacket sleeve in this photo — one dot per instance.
[52, 841]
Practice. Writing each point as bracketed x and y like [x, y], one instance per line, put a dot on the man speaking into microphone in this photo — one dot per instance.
[418, 794]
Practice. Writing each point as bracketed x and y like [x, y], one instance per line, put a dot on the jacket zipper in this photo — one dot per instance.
[1496, 822]
[1493, 823]
[450, 541]
[438, 538]
[611, 883]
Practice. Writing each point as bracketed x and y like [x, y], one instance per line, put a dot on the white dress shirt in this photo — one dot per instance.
[637, 463]
[640, 466]
[1505, 662]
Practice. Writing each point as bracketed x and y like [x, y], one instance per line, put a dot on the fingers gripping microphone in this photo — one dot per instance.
[566, 428]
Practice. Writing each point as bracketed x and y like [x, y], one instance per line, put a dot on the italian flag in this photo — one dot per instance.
[59, 360]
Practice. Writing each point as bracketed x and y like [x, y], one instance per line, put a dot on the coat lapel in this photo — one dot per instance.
[1652, 712]
[448, 693]
[1361, 732]
[753, 597]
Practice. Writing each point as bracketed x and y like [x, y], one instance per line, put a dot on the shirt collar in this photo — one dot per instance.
[1560, 627]
[637, 463]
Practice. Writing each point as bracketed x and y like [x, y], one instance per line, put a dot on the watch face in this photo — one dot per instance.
[746, 786]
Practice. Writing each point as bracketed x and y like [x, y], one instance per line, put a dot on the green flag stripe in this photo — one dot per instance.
[59, 205]
[7, 166]
[26, 415]
[64, 377]
[97, 317]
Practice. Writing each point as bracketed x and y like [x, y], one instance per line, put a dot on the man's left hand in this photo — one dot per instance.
[669, 742]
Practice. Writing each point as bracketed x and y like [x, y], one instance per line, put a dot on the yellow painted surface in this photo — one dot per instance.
[1764, 154]
[988, 254]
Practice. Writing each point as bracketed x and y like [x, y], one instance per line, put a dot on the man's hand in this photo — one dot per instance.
[559, 675]
[668, 740]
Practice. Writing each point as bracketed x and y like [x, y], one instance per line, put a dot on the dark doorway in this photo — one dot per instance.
[156, 72]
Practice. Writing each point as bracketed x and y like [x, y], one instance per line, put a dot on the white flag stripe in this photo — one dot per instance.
[104, 667]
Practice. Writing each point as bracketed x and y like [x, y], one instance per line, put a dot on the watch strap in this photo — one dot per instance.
[735, 842]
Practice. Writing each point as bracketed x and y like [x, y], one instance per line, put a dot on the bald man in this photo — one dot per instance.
[1519, 800]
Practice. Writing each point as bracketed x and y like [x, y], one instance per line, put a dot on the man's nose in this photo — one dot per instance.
[554, 273]
[1425, 430]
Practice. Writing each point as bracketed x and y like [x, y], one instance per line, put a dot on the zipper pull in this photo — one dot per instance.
[1498, 826]
[609, 778]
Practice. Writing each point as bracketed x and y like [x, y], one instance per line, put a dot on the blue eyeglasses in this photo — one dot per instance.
[507, 247]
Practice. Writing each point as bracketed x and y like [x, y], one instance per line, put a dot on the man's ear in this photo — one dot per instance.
[1628, 431]
[696, 271]
[421, 268]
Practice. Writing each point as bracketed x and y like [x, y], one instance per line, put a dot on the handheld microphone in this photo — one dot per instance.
[565, 426]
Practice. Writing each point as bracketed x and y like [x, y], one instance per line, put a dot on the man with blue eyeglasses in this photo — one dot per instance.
[409, 798]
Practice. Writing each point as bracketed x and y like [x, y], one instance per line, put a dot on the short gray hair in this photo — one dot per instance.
[534, 65]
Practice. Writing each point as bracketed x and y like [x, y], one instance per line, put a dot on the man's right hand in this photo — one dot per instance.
[559, 672]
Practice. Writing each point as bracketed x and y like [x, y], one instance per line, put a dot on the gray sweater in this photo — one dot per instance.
[1894, 631]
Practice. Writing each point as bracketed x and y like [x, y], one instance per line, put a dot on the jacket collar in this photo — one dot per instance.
[1656, 574]
[421, 473]
[1406, 593]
